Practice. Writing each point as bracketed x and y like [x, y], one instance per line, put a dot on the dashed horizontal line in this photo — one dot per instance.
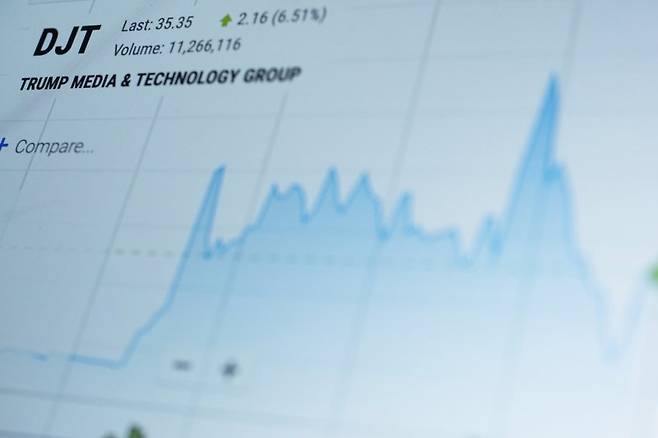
[305, 259]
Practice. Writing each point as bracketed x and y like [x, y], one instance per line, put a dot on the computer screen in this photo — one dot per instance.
[328, 218]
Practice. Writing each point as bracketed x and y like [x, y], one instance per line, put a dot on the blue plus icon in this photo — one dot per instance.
[3, 144]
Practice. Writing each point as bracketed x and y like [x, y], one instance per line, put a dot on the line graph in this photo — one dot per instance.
[537, 168]
[509, 311]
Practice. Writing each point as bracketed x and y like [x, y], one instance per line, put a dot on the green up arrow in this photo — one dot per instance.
[226, 20]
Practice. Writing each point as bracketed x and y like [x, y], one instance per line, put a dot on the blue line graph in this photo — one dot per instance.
[538, 176]
[522, 299]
